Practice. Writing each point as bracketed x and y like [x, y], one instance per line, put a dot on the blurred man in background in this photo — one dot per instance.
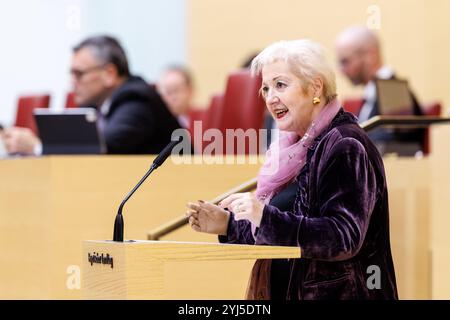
[132, 117]
[360, 60]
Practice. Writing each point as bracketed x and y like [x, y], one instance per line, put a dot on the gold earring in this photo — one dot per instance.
[316, 100]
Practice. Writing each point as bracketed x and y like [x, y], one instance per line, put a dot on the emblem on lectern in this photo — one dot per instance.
[100, 259]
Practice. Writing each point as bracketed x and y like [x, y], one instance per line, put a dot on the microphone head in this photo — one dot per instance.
[165, 153]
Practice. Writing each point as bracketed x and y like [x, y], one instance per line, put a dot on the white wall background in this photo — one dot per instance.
[37, 37]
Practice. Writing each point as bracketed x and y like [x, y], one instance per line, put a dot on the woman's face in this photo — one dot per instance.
[289, 104]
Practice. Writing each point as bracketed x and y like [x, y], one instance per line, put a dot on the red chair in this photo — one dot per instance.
[70, 101]
[195, 116]
[210, 118]
[432, 109]
[25, 107]
[353, 105]
[214, 114]
[243, 106]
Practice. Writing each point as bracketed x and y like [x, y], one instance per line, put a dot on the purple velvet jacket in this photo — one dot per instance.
[340, 222]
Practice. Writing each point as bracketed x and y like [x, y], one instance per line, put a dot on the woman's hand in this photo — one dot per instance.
[207, 217]
[244, 206]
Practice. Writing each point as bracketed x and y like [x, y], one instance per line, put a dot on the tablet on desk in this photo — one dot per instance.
[69, 131]
[394, 97]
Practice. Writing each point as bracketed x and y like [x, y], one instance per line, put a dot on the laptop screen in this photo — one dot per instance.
[394, 97]
[69, 131]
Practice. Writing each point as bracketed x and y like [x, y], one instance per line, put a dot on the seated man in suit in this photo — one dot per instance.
[360, 60]
[132, 117]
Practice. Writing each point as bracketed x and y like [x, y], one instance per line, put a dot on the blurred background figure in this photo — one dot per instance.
[247, 63]
[177, 90]
[132, 118]
[359, 57]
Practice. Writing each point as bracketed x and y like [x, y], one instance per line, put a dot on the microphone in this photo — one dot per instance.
[159, 160]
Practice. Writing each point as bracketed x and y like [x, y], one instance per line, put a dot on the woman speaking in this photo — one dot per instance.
[322, 188]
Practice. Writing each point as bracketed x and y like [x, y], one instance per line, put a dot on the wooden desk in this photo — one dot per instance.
[440, 218]
[419, 191]
[159, 269]
[49, 205]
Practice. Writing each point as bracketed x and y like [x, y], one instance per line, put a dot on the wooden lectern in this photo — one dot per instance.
[145, 269]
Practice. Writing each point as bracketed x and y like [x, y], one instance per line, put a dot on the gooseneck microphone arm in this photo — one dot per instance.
[118, 224]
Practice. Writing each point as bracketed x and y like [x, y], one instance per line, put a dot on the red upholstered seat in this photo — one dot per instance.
[353, 105]
[70, 101]
[25, 107]
[431, 109]
[214, 112]
[243, 106]
[197, 116]
[210, 118]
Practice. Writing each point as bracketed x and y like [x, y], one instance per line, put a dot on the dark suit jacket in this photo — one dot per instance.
[138, 121]
[340, 220]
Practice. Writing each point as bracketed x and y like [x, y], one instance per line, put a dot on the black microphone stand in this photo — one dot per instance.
[118, 223]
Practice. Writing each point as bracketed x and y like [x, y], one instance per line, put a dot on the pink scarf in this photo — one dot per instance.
[287, 156]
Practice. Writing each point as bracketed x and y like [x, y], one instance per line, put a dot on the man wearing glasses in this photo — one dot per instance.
[132, 117]
[358, 50]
